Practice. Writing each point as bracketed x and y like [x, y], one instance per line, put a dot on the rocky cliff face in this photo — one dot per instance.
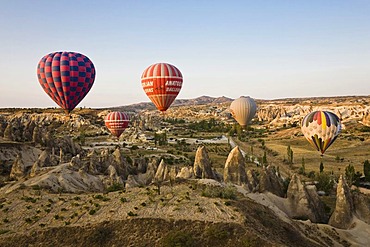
[270, 181]
[164, 173]
[234, 171]
[44, 160]
[361, 203]
[19, 169]
[304, 202]
[202, 164]
[343, 214]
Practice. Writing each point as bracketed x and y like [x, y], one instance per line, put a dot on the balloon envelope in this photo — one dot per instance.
[117, 122]
[321, 129]
[243, 110]
[162, 83]
[66, 77]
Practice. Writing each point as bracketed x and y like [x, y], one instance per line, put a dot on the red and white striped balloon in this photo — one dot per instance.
[162, 83]
[117, 122]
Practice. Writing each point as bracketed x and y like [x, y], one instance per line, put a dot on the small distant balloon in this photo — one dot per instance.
[321, 129]
[162, 83]
[117, 122]
[66, 77]
[243, 110]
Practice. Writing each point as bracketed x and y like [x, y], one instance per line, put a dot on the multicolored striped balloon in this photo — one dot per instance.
[117, 122]
[321, 129]
[243, 110]
[66, 77]
[162, 83]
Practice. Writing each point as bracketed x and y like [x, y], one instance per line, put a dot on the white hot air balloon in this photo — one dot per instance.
[243, 110]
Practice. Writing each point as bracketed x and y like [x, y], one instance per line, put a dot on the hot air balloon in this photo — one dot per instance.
[243, 110]
[117, 122]
[321, 129]
[162, 83]
[66, 77]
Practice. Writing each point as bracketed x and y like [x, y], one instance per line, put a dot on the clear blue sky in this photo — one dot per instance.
[264, 49]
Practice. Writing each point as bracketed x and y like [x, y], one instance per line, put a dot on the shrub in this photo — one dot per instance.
[115, 187]
[178, 238]
[102, 198]
[131, 214]
[325, 183]
[29, 199]
[3, 231]
[217, 232]
[228, 192]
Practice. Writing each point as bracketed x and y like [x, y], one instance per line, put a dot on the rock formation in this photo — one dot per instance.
[186, 173]
[164, 173]
[361, 203]
[131, 182]
[94, 165]
[119, 163]
[304, 202]
[366, 119]
[343, 212]
[43, 161]
[140, 164]
[113, 175]
[150, 171]
[234, 171]
[19, 169]
[75, 162]
[252, 179]
[270, 181]
[202, 164]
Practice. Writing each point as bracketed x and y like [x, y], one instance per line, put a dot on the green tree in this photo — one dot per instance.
[324, 182]
[321, 167]
[367, 170]
[160, 139]
[302, 169]
[290, 155]
[350, 174]
[264, 158]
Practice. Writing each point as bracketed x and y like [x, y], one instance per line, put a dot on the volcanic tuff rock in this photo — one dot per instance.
[43, 160]
[94, 164]
[119, 163]
[234, 171]
[113, 175]
[343, 213]
[62, 178]
[362, 206]
[270, 181]
[252, 179]
[366, 119]
[19, 169]
[304, 202]
[186, 172]
[162, 173]
[151, 170]
[202, 164]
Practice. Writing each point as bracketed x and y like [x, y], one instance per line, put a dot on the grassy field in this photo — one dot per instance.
[341, 153]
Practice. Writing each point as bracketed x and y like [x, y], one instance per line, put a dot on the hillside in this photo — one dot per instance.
[143, 218]
[183, 178]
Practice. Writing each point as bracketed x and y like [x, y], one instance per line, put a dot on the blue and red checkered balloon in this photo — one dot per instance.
[66, 77]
